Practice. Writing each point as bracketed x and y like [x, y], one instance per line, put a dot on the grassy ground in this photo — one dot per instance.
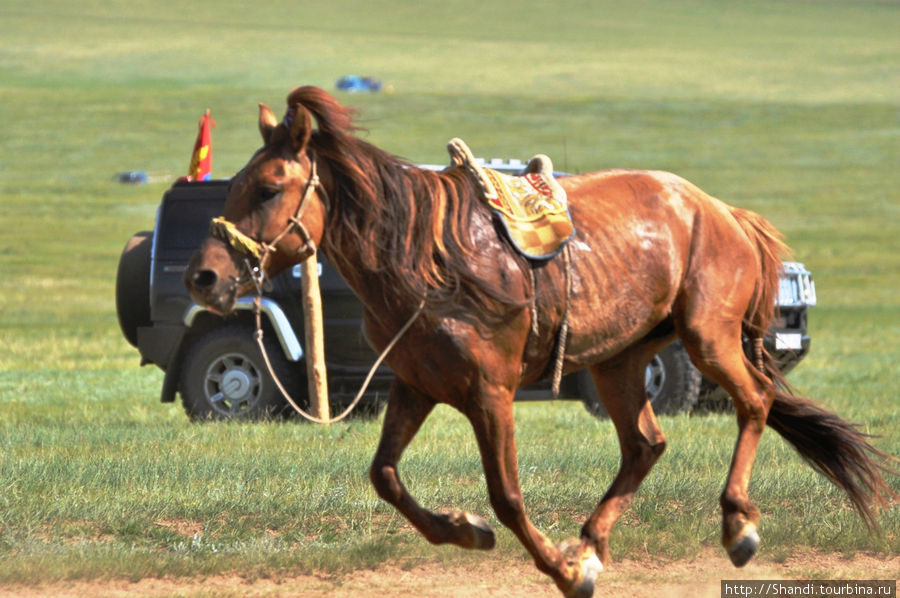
[786, 108]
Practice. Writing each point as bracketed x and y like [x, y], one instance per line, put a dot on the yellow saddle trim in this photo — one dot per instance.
[532, 206]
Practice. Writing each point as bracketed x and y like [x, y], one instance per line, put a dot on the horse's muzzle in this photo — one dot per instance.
[213, 278]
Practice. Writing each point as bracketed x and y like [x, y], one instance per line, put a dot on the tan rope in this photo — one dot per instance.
[759, 353]
[534, 313]
[564, 329]
[365, 384]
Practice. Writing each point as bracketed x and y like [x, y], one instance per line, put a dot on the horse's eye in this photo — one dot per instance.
[267, 193]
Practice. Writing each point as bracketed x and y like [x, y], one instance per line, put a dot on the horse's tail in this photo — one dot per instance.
[835, 447]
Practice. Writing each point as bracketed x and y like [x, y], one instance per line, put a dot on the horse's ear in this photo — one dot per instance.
[301, 126]
[267, 122]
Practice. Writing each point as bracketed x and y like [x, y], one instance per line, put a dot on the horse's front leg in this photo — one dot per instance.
[405, 413]
[491, 415]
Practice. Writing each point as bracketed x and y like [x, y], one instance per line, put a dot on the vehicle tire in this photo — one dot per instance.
[671, 381]
[133, 285]
[225, 377]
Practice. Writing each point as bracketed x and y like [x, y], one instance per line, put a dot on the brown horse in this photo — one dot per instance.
[654, 258]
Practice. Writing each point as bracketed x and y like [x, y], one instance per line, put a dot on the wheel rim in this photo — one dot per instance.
[233, 384]
[654, 378]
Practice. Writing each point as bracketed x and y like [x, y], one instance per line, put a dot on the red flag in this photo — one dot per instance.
[201, 161]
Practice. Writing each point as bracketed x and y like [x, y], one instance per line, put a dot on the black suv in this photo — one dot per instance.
[216, 367]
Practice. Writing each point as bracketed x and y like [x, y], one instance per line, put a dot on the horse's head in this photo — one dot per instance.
[274, 212]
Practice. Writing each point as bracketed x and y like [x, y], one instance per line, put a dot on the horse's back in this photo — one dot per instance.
[633, 215]
[643, 237]
[614, 194]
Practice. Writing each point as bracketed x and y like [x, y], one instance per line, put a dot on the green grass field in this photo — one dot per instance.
[787, 108]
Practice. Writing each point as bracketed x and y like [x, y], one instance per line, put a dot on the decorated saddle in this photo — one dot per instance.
[532, 206]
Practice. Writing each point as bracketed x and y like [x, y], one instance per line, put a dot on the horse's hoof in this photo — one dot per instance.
[742, 550]
[482, 536]
[591, 567]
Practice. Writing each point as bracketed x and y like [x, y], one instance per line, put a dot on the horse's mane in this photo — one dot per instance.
[411, 225]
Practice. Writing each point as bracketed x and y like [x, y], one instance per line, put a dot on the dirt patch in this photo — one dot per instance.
[697, 578]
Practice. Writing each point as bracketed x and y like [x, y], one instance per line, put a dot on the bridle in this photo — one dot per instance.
[227, 232]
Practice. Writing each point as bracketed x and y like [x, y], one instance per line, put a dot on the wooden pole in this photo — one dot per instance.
[317, 375]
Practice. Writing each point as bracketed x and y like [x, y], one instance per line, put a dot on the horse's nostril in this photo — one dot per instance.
[204, 279]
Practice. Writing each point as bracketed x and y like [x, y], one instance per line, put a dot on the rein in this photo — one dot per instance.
[258, 335]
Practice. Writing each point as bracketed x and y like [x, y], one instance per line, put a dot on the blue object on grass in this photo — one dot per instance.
[354, 83]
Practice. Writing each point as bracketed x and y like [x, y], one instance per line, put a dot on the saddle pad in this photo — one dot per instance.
[531, 206]
[535, 219]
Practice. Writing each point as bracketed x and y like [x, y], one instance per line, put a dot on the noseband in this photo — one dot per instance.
[228, 232]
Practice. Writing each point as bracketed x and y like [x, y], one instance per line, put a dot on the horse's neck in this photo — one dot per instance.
[347, 256]
[392, 264]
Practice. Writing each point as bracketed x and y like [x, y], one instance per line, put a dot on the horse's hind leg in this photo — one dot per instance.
[405, 413]
[621, 387]
[716, 350]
